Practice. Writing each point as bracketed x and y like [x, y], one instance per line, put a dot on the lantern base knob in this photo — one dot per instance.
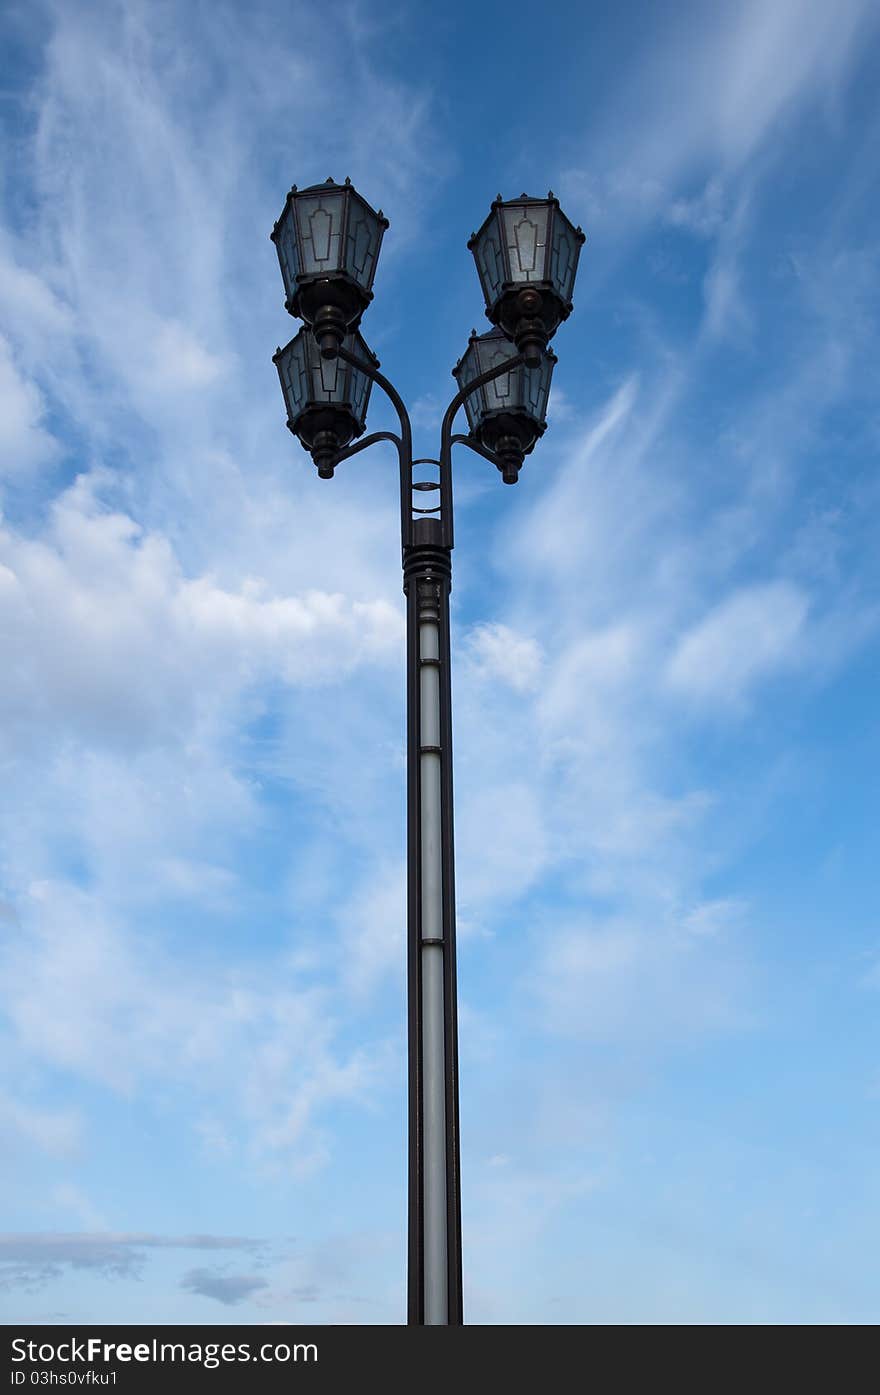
[531, 342]
[510, 458]
[324, 451]
[330, 329]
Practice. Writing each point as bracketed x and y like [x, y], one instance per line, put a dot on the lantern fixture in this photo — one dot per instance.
[326, 399]
[508, 414]
[328, 239]
[527, 254]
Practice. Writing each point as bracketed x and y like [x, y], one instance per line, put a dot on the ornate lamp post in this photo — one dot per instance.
[328, 239]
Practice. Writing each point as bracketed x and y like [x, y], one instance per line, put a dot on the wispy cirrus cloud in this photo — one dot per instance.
[93, 1003]
[749, 636]
[228, 1289]
[25, 444]
[153, 601]
[711, 107]
[36, 1259]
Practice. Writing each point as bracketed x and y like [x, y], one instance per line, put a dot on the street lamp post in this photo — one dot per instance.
[328, 240]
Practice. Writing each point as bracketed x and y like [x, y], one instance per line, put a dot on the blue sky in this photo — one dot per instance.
[665, 688]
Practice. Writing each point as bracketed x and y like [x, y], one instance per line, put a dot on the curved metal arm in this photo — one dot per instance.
[476, 447]
[368, 441]
[404, 442]
[446, 437]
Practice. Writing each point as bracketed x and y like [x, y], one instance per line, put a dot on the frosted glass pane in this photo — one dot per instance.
[320, 225]
[525, 232]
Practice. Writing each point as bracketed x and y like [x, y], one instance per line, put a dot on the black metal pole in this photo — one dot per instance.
[434, 1149]
[434, 1241]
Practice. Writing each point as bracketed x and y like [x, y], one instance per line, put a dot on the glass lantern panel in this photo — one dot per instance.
[363, 235]
[536, 389]
[307, 380]
[489, 257]
[328, 382]
[294, 374]
[465, 372]
[502, 393]
[473, 405]
[564, 256]
[320, 226]
[467, 369]
[288, 255]
[360, 386]
[525, 236]
[359, 383]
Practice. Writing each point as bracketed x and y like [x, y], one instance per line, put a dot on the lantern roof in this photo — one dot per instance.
[327, 186]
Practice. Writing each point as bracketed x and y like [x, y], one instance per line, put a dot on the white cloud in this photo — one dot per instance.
[30, 308]
[107, 638]
[714, 917]
[560, 407]
[58, 1132]
[69, 1198]
[513, 1205]
[711, 96]
[372, 931]
[37, 1258]
[636, 982]
[225, 1288]
[499, 654]
[764, 60]
[705, 119]
[586, 674]
[703, 214]
[25, 444]
[561, 528]
[725, 306]
[93, 998]
[171, 360]
[502, 832]
[746, 638]
[426, 413]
